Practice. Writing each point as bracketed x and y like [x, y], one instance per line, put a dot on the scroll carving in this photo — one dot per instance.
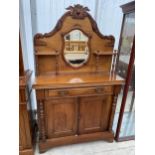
[78, 11]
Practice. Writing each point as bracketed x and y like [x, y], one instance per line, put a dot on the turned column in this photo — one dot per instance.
[116, 91]
[112, 112]
[41, 122]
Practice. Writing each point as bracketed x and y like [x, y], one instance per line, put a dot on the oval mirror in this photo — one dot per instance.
[76, 50]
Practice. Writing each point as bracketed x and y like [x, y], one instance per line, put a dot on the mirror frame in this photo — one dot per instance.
[63, 47]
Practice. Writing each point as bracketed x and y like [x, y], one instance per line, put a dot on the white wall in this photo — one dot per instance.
[27, 40]
[107, 14]
[48, 12]
[110, 17]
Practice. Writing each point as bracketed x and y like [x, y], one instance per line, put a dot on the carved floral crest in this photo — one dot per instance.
[78, 11]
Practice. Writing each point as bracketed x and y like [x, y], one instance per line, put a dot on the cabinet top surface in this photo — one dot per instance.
[71, 80]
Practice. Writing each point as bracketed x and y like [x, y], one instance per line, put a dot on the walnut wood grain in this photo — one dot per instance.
[74, 80]
[75, 104]
[107, 136]
[61, 117]
[78, 91]
[27, 152]
[25, 119]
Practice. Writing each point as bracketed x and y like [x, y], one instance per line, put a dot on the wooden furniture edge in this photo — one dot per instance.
[26, 152]
[125, 138]
[100, 53]
[78, 85]
[24, 79]
[49, 143]
[129, 7]
[54, 53]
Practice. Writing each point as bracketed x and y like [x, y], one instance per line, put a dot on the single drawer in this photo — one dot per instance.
[78, 91]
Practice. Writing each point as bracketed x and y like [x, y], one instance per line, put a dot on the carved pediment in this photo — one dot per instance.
[78, 11]
[72, 45]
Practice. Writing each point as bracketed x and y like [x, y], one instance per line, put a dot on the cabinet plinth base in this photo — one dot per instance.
[49, 143]
[26, 152]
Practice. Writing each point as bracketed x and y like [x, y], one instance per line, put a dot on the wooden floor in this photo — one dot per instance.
[93, 148]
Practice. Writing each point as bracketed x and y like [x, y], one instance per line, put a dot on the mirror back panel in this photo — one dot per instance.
[74, 46]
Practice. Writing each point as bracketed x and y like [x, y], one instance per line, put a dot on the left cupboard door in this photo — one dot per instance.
[61, 117]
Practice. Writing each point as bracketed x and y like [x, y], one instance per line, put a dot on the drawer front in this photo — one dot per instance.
[79, 91]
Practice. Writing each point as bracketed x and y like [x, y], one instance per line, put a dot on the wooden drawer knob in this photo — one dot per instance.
[63, 93]
[99, 90]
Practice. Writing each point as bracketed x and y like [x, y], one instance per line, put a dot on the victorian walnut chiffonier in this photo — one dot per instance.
[76, 88]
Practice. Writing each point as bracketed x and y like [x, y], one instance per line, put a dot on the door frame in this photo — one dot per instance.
[125, 93]
[126, 9]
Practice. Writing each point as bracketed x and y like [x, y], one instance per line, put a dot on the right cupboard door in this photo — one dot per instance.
[94, 114]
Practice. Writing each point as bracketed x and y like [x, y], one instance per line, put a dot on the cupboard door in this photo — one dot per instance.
[61, 117]
[94, 114]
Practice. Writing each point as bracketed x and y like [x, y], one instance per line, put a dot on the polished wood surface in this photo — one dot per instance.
[25, 141]
[61, 117]
[74, 79]
[75, 104]
[78, 91]
[94, 114]
[25, 126]
[53, 142]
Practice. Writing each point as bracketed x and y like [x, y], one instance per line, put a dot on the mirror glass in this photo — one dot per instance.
[76, 50]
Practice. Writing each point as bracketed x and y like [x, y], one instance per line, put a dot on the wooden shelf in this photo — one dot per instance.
[45, 51]
[54, 53]
[104, 53]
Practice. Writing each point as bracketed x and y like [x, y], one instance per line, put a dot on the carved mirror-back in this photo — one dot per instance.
[74, 46]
